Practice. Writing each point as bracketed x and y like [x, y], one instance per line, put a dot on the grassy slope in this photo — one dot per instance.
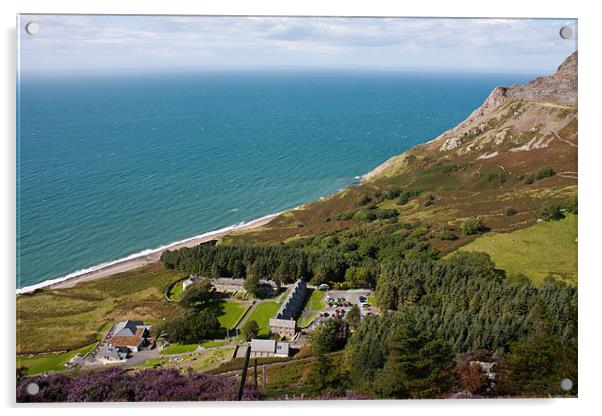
[462, 186]
[65, 319]
[538, 251]
[197, 361]
[179, 349]
[262, 314]
[50, 362]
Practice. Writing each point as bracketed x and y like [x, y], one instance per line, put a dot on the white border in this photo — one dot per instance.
[590, 155]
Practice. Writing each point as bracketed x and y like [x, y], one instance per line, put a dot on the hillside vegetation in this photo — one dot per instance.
[545, 249]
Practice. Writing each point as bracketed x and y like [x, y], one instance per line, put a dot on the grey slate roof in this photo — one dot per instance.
[294, 301]
[126, 328]
[269, 346]
[263, 345]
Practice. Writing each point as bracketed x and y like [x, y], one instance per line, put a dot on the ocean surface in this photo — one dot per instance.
[111, 165]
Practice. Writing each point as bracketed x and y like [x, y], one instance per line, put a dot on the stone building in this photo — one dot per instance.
[284, 322]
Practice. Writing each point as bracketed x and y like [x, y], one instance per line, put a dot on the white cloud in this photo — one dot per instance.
[133, 42]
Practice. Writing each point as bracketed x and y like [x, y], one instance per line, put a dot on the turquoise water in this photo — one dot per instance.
[112, 165]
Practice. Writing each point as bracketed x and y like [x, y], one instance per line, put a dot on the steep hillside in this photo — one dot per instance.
[511, 156]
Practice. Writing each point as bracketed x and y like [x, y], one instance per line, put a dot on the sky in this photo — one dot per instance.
[96, 43]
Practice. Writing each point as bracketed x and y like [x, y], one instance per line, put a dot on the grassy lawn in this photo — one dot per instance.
[262, 314]
[198, 361]
[50, 362]
[232, 312]
[179, 349]
[303, 322]
[212, 344]
[538, 251]
[176, 292]
[316, 300]
[67, 319]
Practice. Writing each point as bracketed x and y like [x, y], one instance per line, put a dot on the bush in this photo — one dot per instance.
[364, 215]
[545, 173]
[445, 233]
[551, 212]
[364, 200]
[510, 211]
[250, 330]
[430, 200]
[383, 214]
[571, 205]
[473, 226]
[498, 177]
[528, 180]
[405, 196]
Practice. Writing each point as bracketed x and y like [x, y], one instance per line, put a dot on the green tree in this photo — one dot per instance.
[250, 330]
[196, 294]
[418, 365]
[354, 317]
[536, 364]
[551, 212]
[476, 259]
[251, 284]
[545, 173]
[331, 336]
[192, 326]
[473, 226]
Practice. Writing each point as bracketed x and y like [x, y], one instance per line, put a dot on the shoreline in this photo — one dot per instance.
[148, 256]
[141, 258]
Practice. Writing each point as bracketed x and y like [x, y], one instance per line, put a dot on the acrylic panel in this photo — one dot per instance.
[215, 208]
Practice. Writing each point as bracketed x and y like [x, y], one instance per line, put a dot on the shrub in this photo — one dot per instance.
[510, 211]
[383, 214]
[498, 177]
[528, 180]
[545, 173]
[473, 226]
[444, 233]
[364, 215]
[551, 212]
[364, 200]
[571, 205]
[405, 196]
[430, 200]
[250, 330]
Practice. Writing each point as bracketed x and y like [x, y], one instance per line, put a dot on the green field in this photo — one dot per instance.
[538, 251]
[212, 344]
[232, 312]
[197, 361]
[316, 300]
[179, 349]
[50, 362]
[176, 291]
[67, 319]
[303, 322]
[262, 314]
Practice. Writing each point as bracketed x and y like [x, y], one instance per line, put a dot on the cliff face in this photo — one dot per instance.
[512, 119]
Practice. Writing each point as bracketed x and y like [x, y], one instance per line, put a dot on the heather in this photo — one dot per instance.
[117, 385]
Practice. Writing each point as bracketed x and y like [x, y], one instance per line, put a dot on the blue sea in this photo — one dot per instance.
[111, 165]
